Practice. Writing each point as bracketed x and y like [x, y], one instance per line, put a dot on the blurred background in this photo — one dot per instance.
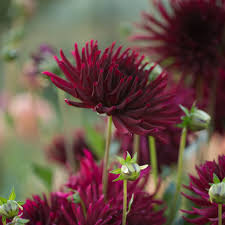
[29, 109]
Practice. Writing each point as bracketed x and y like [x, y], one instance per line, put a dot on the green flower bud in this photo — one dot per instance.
[9, 54]
[130, 171]
[18, 221]
[217, 193]
[199, 120]
[9, 209]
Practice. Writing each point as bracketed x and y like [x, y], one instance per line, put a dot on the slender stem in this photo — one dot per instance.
[106, 158]
[124, 202]
[153, 159]
[83, 207]
[212, 103]
[179, 173]
[136, 145]
[4, 220]
[220, 209]
[68, 139]
[199, 88]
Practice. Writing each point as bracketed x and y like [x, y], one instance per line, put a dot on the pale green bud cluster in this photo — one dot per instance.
[217, 193]
[195, 119]
[9, 209]
[217, 190]
[129, 170]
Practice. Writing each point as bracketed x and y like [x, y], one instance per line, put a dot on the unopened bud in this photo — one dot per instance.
[9, 209]
[130, 171]
[217, 193]
[9, 54]
[199, 120]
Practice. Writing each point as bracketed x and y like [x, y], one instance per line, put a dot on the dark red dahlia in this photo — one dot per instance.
[88, 182]
[56, 151]
[167, 153]
[61, 211]
[205, 212]
[41, 211]
[115, 82]
[189, 32]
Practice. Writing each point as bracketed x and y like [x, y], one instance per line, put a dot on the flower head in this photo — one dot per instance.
[190, 34]
[56, 151]
[115, 82]
[205, 212]
[88, 182]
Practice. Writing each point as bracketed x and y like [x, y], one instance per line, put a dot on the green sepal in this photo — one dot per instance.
[120, 177]
[223, 180]
[130, 203]
[12, 195]
[116, 171]
[143, 167]
[216, 179]
[3, 200]
[134, 159]
[121, 160]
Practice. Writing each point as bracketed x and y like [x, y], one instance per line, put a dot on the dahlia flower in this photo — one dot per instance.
[115, 82]
[56, 151]
[41, 211]
[61, 211]
[88, 182]
[204, 212]
[190, 34]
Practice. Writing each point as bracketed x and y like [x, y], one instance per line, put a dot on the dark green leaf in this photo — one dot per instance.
[44, 174]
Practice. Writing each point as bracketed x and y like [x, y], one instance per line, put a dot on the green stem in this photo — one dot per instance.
[3, 220]
[220, 209]
[124, 202]
[83, 207]
[106, 158]
[179, 174]
[68, 138]
[153, 159]
[136, 145]
[212, 104]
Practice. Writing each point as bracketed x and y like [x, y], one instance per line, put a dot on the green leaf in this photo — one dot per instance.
[21, 202]
[116, 171]
[185, 110]
[12, 195]
[130, 203]
[119, 178]
[121, 160]
[216, 179]
[3, 200]
[143, 167]
[128, 158]
[44, 174]
[134, 159]
[96, 141]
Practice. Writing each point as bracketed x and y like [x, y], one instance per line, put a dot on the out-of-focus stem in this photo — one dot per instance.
[124, 202]
[212, 103]
[220, 209]
[179, 174]
[106, 157]
[153, 159]
[68, 138]
[136, 145]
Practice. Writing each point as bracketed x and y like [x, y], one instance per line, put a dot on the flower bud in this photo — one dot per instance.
[217, 193]
[130, 171]
[9, 54]
[199, 120]
[9, 209]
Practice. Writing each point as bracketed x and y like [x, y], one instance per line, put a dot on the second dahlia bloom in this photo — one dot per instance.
[56, 151]
[115, 82]
[190, 32]
[205, 212]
